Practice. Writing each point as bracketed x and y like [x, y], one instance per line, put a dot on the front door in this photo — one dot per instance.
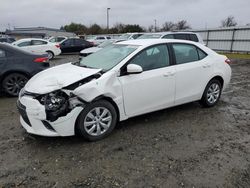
[154, 88]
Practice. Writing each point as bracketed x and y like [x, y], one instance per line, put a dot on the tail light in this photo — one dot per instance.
[228, 61]
[41, 60]
[57, 45]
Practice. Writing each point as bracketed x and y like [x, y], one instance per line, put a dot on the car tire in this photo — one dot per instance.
[212, 93]
[50, 55]
[13, 83]
[96, 121]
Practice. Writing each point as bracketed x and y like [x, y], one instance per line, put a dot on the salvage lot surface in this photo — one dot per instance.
[184, 146]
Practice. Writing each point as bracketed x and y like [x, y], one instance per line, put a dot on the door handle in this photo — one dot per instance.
[206, 65]
[168, 74]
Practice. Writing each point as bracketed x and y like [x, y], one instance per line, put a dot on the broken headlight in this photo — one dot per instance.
[56, 104]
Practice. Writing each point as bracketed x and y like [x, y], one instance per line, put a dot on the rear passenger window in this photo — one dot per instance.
[181, 36]
[193, 37]
[38, 42]
[2, 53]
[26, 43]
[185, 53]
[168, 36]
[202, 54]
[152, 58]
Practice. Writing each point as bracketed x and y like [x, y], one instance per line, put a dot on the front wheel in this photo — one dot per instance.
[212, 93]
[13, 83]
[97, 120]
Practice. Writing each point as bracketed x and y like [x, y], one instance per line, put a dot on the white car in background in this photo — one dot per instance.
[88, 51]
[195, 37]
[129, 36]
[39, 46]
[96, 40]
[123, 80]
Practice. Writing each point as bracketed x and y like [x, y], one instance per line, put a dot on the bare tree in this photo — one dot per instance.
[182, 25]
[229, 22]
[168, 26]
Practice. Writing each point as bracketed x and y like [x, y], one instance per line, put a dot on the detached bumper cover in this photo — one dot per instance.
[33, 119]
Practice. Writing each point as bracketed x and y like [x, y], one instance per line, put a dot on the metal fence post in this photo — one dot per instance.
[232, 41]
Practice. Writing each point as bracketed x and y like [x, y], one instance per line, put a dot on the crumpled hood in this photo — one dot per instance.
[57, 77]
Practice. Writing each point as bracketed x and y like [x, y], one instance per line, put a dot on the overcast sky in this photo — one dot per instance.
[54, 13]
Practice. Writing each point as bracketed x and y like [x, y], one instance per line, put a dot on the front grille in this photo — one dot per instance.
[22, 110]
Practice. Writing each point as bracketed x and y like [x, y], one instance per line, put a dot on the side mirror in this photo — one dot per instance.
[134, 69]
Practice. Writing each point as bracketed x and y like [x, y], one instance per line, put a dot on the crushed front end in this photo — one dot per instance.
[52, 114]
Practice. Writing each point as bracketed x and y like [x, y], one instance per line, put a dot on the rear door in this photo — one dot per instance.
[193, 69]
[67, 46]
[39, 46]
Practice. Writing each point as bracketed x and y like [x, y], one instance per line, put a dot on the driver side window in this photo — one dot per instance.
[152, 58]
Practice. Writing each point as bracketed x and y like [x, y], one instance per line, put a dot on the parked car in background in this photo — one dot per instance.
[195, 37]
[57, 39]
[74, 45]
[17, 66]
[96, 40]
[7, 39]
[88, 51]
[123, 80]
[129, 36]
[39, 46]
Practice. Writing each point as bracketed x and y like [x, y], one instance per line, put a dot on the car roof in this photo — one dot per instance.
[170, 32]
[28, 39]
[148, 42]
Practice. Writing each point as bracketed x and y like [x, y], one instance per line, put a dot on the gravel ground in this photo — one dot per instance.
[184, 146]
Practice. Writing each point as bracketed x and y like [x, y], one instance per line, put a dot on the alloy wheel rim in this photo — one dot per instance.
[50, 55]
[97, 121]
[14, 84]
[213, 93]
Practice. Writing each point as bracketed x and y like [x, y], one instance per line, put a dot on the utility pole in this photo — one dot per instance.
[108, 18]
[155, 24]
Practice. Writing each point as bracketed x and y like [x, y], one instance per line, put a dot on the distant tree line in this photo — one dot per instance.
[81, 29]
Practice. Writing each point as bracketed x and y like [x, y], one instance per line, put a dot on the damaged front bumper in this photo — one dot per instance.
[33, 118]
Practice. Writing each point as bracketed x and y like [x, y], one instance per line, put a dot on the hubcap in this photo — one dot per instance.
[213, 93]
[97, 121]
[14, 84]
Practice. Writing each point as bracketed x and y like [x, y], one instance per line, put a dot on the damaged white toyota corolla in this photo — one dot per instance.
[126, 79]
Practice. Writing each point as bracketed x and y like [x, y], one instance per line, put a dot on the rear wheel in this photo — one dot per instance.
[50, 55]
[97, 120]
[212, 93]
[13, 83]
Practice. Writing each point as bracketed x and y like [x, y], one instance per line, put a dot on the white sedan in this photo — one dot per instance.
[39, 46]
[121, 81]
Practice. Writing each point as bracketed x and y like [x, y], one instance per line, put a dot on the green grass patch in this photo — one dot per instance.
[236, 55]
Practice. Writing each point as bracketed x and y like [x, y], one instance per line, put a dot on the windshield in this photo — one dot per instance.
[108, 57]
[104, 44]
[150, 36]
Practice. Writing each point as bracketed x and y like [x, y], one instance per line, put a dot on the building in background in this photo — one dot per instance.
[37, 32]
